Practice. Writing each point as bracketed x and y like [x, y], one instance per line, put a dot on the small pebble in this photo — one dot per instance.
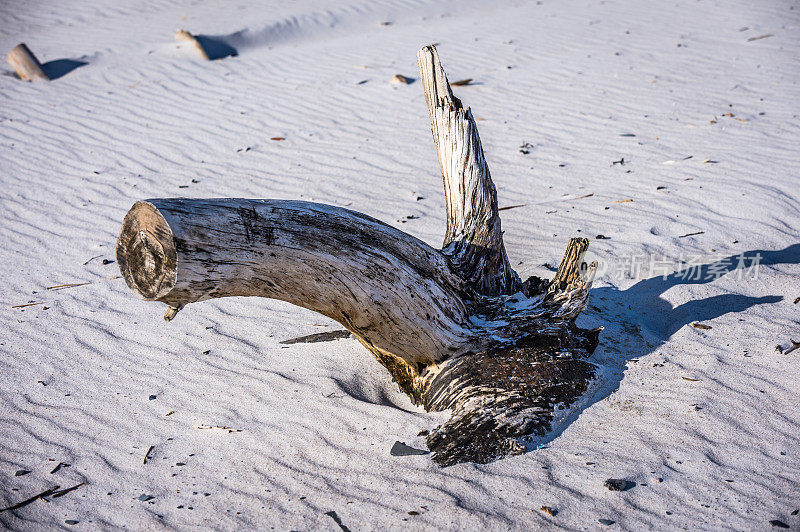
[618, 484]
[778, 524]
[21, 472]
[607, 522]
[71, 521]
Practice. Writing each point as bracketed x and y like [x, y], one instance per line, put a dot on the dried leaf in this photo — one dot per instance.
[702, 326]
[461, 82]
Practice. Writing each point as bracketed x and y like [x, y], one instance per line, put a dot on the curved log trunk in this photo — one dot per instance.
[455, 327]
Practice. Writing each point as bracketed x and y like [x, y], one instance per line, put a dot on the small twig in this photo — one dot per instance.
[692, 234]
[64, 492]
[59, 466]
[68, 285]
[461, 82]
[795, 345]
[27, 305]
[218, 427]
[90, 260]
[35, 498]
[511, 207]
[147, 454]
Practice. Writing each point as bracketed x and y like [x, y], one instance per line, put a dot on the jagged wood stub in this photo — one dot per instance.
[455, 327]
[474, 239]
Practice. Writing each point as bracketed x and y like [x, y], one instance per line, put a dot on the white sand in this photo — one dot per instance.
[143, 119]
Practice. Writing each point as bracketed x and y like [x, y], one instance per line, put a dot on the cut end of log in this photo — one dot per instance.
[25, 64]
[146, 252]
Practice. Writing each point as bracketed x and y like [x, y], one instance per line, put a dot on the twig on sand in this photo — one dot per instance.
[26, 502]
[218, 427]
[65, 491]
[147, 454]
[511, 207]
[68, 285]
[692, 234]
[795, 345]
[27, 305]
[59, 466]
[461, 82]
[698, 325]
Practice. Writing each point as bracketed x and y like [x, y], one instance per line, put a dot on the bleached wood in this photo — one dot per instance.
[186, 37]
[474, 239]
[455, 327]
[25, 64]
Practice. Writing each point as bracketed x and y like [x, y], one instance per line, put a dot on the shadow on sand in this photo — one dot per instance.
[626, 313]
[216, 47]
[61, 67]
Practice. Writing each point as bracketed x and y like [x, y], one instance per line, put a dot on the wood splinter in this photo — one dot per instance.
[25, 64]
[456, 327]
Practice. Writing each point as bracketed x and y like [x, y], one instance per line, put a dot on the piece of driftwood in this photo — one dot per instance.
[456, 327]
[25, 64]
[184, 36]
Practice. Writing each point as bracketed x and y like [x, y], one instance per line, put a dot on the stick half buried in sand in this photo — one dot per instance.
[25, 64]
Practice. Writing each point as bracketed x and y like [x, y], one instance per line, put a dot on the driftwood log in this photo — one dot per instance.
[25, 64]
[456, 327]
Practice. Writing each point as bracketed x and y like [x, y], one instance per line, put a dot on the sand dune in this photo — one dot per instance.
[705, 422]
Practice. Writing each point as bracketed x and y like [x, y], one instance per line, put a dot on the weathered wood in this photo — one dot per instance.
[455, 327]
[25, 64]
[474, 239]
[184, 36]
[395, 293]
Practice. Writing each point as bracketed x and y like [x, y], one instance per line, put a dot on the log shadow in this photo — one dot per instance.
[61, 67]
[641, 321]
[216, 47]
